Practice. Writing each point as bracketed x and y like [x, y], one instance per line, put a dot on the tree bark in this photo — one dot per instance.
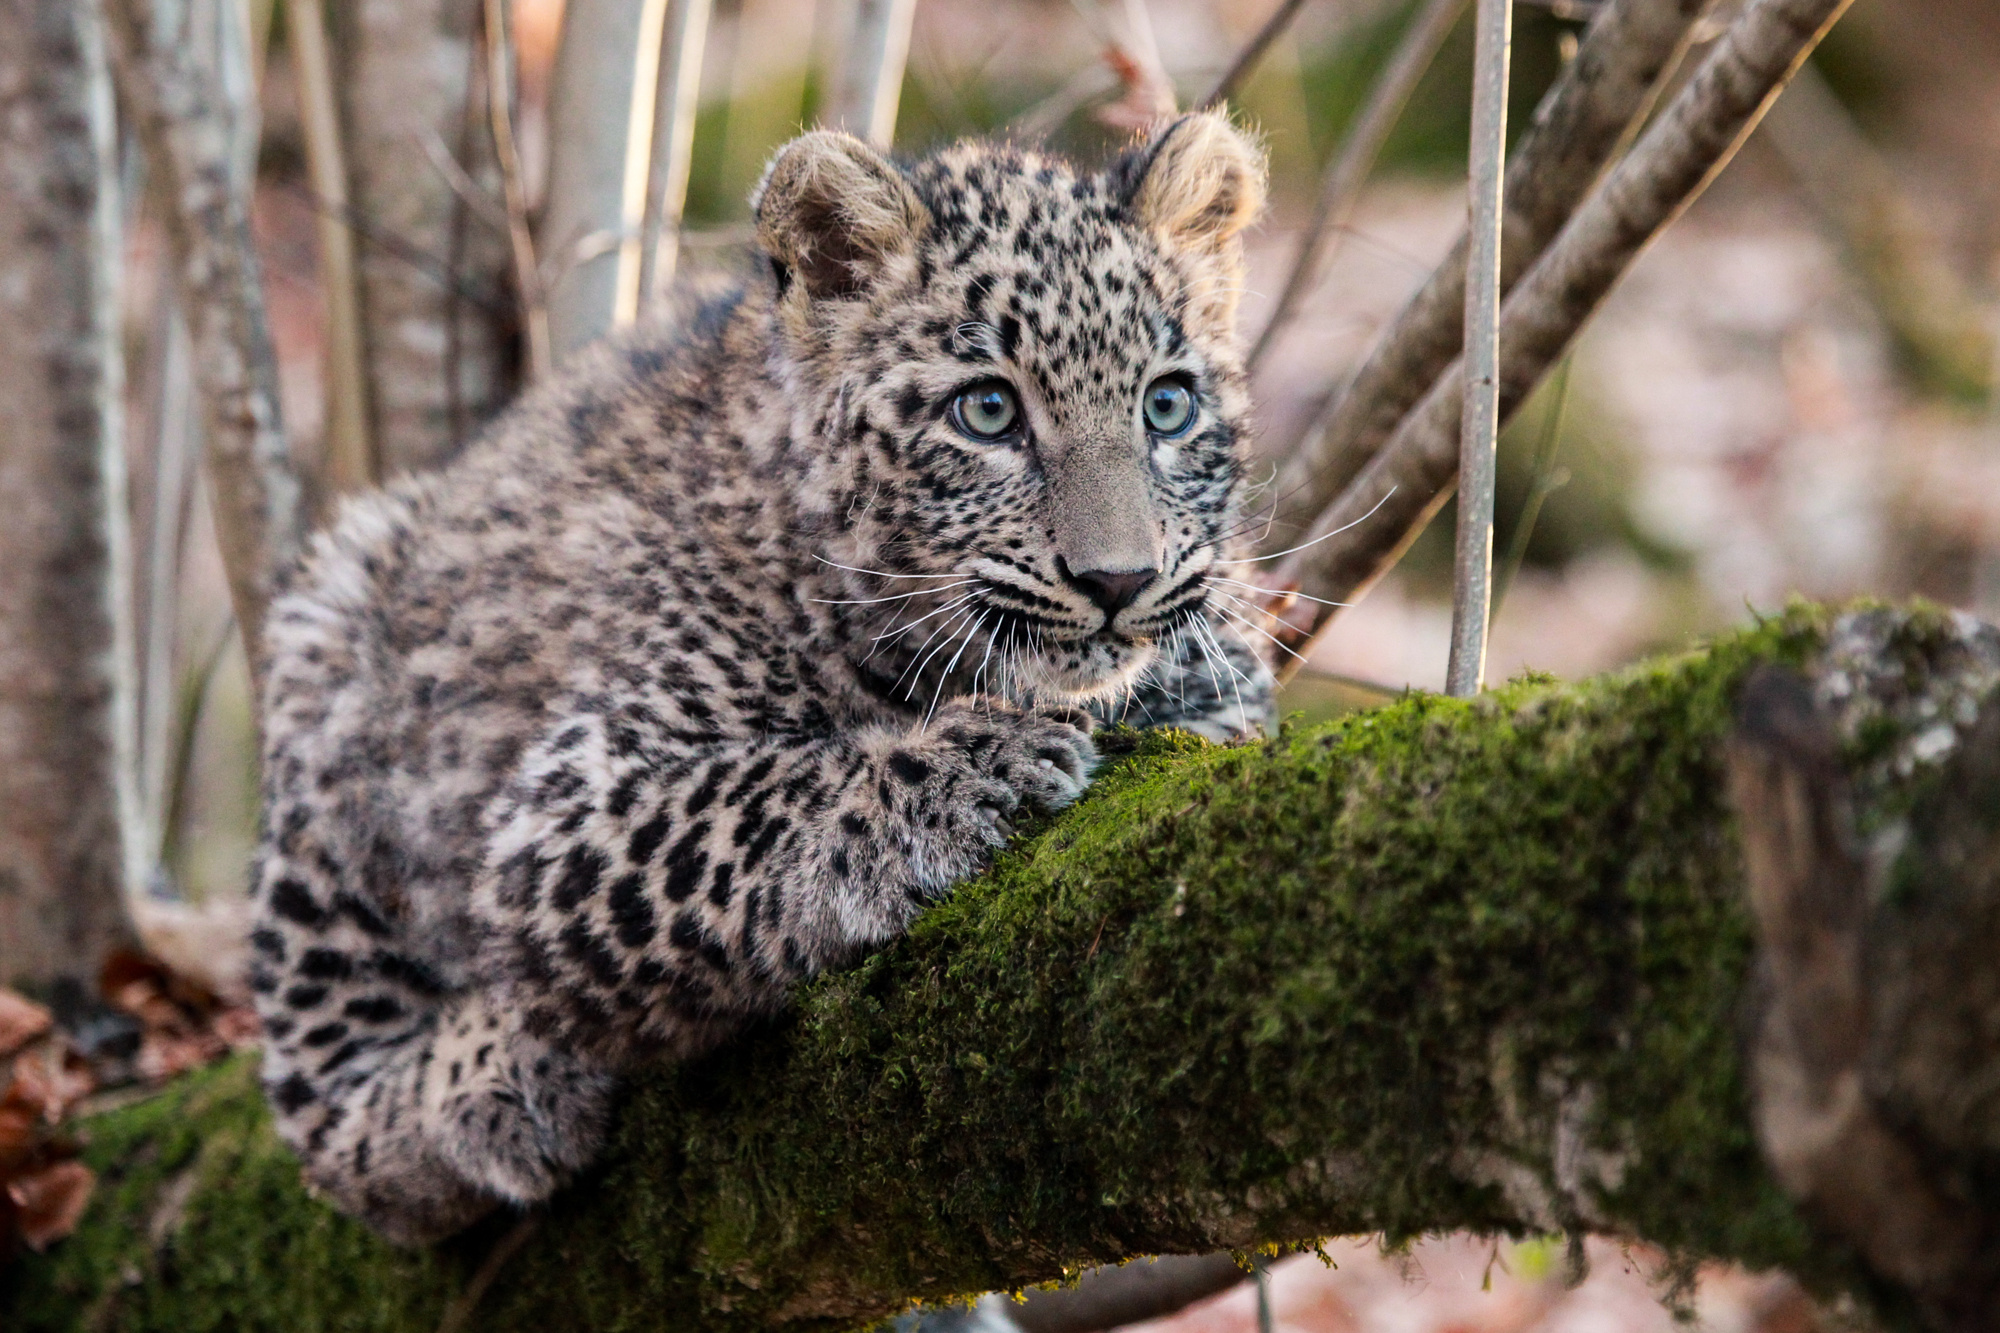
[62, 491]
[439, 364]
[1486, 965]
[184, 86]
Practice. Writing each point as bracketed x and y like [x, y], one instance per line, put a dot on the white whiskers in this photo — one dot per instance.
[856, 569]
[956, 601]
[1257, 559]
[950, 667]
[1275, 592]
[915, 657]
[1245, 620]
[892, 597]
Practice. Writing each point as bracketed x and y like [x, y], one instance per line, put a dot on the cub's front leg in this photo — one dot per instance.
[936, 802]
[643, 896]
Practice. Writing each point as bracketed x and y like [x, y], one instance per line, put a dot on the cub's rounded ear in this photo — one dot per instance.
[1197, 184]
[833, 212]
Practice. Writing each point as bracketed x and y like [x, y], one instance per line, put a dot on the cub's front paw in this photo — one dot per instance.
[939, 802]
[996, 758]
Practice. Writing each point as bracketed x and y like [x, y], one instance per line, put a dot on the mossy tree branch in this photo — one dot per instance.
[1443, 965]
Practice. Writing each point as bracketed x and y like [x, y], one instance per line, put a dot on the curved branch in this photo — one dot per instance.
[1446, 965]
[1695, 137]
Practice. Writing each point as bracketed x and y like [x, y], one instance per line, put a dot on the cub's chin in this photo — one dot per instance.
[1084, 671]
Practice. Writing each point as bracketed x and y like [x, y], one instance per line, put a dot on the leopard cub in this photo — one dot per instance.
[734, 645]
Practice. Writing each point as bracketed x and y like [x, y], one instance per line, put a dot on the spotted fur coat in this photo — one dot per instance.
[734, 645]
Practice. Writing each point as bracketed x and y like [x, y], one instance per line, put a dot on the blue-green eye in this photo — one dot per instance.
[987, 411]
[1169, 406]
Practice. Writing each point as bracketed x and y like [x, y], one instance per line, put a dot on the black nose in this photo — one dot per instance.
[1113, 591]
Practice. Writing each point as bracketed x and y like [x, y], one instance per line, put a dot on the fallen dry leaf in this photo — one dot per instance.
[50, 1201]
[167, 1052]
[239, 1027]
[52, 1076]
[18, 1133]
[21, 1021]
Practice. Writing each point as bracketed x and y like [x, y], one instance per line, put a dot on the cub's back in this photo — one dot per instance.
[421, 644]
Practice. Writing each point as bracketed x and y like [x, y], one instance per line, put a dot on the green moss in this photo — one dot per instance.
[1328, 984]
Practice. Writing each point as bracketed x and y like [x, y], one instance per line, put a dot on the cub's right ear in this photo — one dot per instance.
[832, 211]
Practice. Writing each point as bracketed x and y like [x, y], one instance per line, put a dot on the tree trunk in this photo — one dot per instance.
[590, 233]
[436, 309]
[62, 493]
[1486, 965]
[184, 76]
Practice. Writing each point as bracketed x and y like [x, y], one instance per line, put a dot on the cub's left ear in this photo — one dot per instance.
[1195, 187]
[1197, 184]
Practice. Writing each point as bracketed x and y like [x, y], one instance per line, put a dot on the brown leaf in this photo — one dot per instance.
[51, 1201]
[18, 1136]
[140, 984]
[126, 966]
[164, 1054]
[52, 1077]
[238, 1027]
[21, 1021]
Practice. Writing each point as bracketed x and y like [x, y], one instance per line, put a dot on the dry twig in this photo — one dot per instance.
[1479, 403]
[1341, 185]
[1253, 52]
[628, 285]
[1694, 138]
[1606, 90]
[500, 104]
[675, 106]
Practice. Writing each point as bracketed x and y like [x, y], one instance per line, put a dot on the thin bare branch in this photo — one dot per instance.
[871, 79]
[1479, 403]
[675, 108]
[174, 430]
[488, 209]
[500, 105]
[190, 133]
[1253, 52]
[1693, 139]
[1341, 184]
[1590, 111]
[1133, 56]
[350, 463]
[436, 269]
[641, 120]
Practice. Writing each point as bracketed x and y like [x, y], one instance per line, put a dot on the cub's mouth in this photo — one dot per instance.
[1083, 668]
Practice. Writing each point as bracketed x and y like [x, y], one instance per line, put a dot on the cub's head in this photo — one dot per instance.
[1028, 386]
